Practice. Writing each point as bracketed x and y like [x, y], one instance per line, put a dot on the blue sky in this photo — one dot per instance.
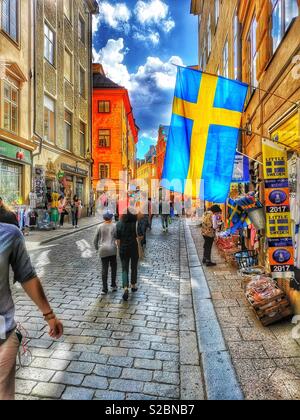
[137, 41]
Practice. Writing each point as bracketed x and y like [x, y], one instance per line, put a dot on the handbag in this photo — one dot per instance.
[140, 247]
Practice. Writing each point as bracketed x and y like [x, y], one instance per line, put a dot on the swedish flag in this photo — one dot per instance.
[203, 136]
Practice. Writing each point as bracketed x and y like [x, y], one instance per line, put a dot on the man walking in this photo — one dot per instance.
[13, 254]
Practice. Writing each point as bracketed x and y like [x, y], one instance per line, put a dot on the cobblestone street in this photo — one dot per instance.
[112, 350]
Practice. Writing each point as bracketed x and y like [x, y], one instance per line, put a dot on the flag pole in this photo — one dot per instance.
[250, 158]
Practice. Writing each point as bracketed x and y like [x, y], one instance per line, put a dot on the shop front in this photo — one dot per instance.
[74, 181]
[15, 172]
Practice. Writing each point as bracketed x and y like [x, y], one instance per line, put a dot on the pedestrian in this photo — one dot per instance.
[13, 254]
[75, 209]
[62, 202]
[7, 215]
[128, 235]
[143, 221]
[164, 214]
[105, 243]
[150, 213]
[209, 227]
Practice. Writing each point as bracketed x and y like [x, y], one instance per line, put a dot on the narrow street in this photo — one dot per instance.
[150, 348]
[111, 350]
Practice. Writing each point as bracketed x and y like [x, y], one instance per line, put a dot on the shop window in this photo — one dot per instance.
[10, 182]
[10, 107]
[104, 107]
[81, 29]
[68, 9]
[283, 13]
[82, 140]
[49, 119]
[10, 18]
[82, 81]
[104, 138]
[104, 171]
[68, 131]
[68, 66]
[49, 44]
[226, 59]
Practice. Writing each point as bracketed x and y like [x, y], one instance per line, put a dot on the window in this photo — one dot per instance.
[10, 108]
[226, 59]
[81, 29]
[104, 138]
[209, 35]
[68, 9]
[10, 182]
[217, 11]
[283, 13]
[104, 171]
[49, 119]
[68, 131]
[253, 54]
[68, 66]
[236, 46]
[10, 18]
[82, 140]
[82, 81]
[104, 107]
[49, 44]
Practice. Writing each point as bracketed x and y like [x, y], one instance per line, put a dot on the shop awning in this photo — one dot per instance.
[288, 133]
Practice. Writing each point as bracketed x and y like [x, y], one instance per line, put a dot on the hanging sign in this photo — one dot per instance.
[241, 171]
[277, 197]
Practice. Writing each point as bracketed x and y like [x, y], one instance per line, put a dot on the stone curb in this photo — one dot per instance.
[221, 381]
[63, 235]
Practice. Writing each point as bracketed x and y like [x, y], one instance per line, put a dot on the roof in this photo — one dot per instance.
[102, 82]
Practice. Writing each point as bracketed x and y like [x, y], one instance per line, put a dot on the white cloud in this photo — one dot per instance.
[154, 12]
[152, 37]
[112, 57]
[116, 16]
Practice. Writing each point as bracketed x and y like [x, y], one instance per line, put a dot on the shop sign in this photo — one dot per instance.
[74, 169]
[241, 171]
[16, 153]
[277, 197]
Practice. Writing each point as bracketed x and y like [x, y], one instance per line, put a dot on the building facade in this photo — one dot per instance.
[115, 133]
[62, 101]
[161, 148]
[147, 173]
[257, 41]
[16, 100]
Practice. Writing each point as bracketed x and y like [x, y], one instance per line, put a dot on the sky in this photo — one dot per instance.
[138, 41]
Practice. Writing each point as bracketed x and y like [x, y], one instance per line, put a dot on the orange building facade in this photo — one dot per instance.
[115, 133]
[161, 149]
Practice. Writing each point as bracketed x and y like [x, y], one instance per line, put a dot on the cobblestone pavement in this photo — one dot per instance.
[267, 360]
[143, 349]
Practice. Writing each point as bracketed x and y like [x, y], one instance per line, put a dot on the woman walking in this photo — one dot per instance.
[105, 243]
[128, 234]
[62, 210]
[75, 207]
[209, 227]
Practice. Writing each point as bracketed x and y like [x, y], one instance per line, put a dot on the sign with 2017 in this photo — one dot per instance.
[277, 195]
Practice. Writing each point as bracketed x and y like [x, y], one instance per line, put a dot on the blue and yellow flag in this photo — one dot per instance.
[203, 136]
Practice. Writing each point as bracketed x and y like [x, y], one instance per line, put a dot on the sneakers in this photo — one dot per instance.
[126, 295]
[104, 292]
[114, 289]
[134, 289]
[210, 264]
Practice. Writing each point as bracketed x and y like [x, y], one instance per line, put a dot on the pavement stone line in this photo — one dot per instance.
[111, 350]
[266, 359]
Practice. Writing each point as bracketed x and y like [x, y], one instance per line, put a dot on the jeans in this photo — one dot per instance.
[62, 219]
[75, 218]
[8, 355]
[106, 262]
[134, 259]
[165, 221]
[208, 244]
